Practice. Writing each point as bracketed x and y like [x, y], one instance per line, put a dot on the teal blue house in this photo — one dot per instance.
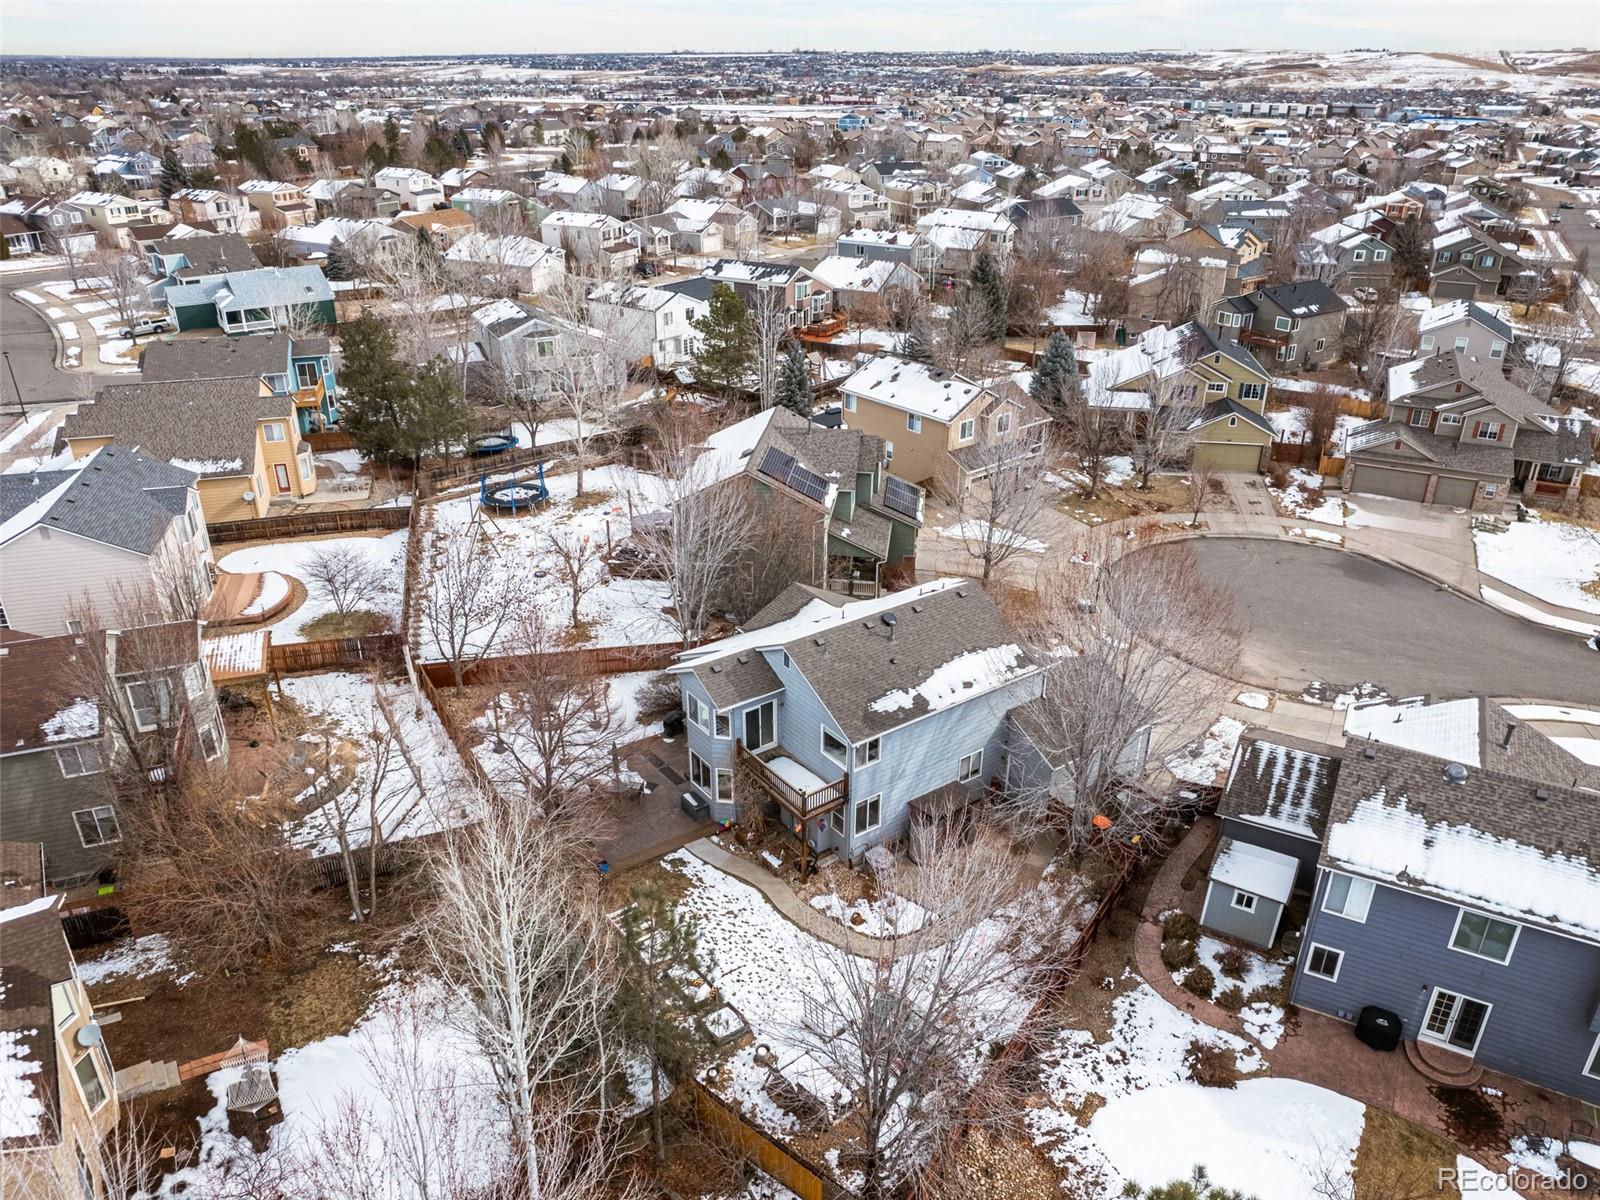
[251, 301]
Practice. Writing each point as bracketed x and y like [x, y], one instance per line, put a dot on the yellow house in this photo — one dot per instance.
[940, 428]
[242, 440]
[1190, 368]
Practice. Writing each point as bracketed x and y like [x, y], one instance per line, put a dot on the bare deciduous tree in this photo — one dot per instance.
[902, 1023]
[519, 937]
[119, 275]
[577, 564]
[1205, 481]
[1087, 431]
[471, 598]
[1120, 693]
[769, 324]
[1001, 514]
[345, 577]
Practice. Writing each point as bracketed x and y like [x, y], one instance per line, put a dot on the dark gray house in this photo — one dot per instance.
[1301, 325]
[1458, 887]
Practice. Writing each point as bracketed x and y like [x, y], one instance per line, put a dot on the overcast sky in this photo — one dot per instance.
[275, 28]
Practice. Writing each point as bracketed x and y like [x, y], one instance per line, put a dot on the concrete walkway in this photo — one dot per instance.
[786, 901]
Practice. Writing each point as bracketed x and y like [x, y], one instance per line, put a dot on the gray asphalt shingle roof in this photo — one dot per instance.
[193, 420]
[115, 496]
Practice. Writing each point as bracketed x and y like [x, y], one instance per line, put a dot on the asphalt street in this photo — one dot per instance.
[1313, 614]
[30, 349]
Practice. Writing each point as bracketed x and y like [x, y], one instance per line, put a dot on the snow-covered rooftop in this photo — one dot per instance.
[1448, 730]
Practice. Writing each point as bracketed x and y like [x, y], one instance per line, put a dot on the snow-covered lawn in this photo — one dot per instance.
[293, 558]
[1544, 557]
[1263, 1020]
[24, 430]
[621, 612]
[886, 916]
[133, 957]
[1202, 762]
[409, 1075]
[1265, 1137]
[116, 351]
[1305, 500]
[977, 532]
[509, 750]
[345, 706]
[1527, 611]
[766, 965]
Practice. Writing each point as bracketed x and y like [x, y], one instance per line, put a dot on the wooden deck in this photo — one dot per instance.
[234, 593]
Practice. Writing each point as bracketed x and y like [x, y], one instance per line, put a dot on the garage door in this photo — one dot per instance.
[1454, 290]
[1227, 456]
[1457, 493]
[1381, 481]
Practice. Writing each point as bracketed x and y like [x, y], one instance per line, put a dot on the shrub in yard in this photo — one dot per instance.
[1175, 956]
[658, 697]
[1179, 926]
[1278, 475]
[1200, 982]
[1231, 998]
[1211, 1066]
[1233, 962]
[1274, 994]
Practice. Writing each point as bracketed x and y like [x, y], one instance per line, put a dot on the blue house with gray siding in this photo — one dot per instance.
[1458, 887]
[849, 716]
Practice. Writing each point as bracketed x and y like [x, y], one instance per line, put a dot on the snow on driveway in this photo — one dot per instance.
[1265, 1137]
[1544, 557]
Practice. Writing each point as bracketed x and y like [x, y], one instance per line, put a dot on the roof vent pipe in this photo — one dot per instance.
[1455, 773]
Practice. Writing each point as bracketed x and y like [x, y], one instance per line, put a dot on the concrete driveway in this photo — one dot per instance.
[1310, 614]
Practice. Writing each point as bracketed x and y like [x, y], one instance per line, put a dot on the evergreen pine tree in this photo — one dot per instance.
[394, 412]
[917, 343]
[726, 350]
[173, 176]
[793, 390]
[564, 163]
[391, 141]
[338, 264]
[985, 279]
[460, 144]
[376, 158]
[657, 937]
[1056, 376]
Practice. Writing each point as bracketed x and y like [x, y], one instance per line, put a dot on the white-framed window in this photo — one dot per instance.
[1489, 490]
[305, 466]
[1461, 343]
[151, 701]
[1427, 341]
[1484, 936]
[724, 726]
[1592, 1067]
[1446, 255]
[1216, 389]
[1233, 422]
[273, 431]
[97, 826]
[1359, 256]
[1455, 1020]
[761, 726]
[1252, 391]
[970, 767]
[849, 402]
[1230, 319]
[210, 743]
[1488, 431]
[698, 712]
[1243, 901]
[785, 660]
[80, 759]
[724, 784]
[834, 747]
[1348, 897]
[966, 430]
[1497, 349]
[69, 1006]
[1283, 324]
[1002, 424]
[701, 775]
[1380, 255]
[913, 423]
[1419, 417]
[1320, 343]
[888, 450]
[1449, 418]
[869, 752]
[869, 814]
[74, 627]
[1486, 261]
[88, 1075]
[1324, 962]
[836, 821]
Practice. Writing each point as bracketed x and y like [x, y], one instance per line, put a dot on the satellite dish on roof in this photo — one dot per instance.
[90, 1035]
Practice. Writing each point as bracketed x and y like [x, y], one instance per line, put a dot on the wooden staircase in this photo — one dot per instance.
[1445, 1067]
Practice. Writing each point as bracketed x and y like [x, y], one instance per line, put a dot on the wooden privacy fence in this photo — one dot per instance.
[453, 732]
[804, 1178]
[597, 446]
[582, 660]
[348, 520]
[328, 654]
[329, 440]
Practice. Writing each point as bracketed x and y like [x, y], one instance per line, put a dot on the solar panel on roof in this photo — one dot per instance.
[902, 497]
[777, 464]
[807, 483]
